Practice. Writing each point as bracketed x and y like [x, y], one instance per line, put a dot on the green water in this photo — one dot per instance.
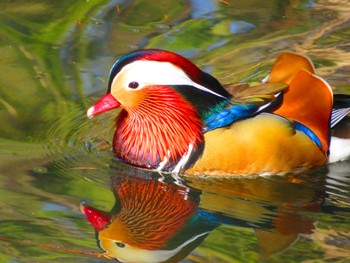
[55, 58]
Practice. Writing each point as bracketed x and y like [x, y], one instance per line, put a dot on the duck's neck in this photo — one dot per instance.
[164, 133]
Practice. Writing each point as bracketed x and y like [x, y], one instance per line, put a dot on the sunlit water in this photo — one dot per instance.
[55, 58]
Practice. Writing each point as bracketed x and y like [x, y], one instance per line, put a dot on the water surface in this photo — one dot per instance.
[55, 62]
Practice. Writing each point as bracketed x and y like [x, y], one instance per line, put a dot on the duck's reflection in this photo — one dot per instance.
[151, 221]
[157, 219]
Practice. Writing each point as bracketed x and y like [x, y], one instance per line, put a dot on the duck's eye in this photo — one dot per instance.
[119, 244]
[133, 85]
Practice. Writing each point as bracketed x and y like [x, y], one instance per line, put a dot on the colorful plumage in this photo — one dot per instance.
[177, 118]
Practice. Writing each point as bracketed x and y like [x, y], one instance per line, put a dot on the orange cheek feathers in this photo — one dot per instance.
[129, 99]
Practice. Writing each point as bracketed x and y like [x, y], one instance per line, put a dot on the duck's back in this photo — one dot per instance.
[294, 136]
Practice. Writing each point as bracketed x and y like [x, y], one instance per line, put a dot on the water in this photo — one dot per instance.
[55, 61]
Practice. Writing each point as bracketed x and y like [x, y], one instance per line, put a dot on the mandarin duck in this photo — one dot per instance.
[176, 118]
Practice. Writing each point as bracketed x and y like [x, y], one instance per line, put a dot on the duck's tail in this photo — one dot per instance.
[340, 124]
[341, 108]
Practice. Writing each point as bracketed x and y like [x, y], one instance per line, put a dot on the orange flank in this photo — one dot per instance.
[256, 146]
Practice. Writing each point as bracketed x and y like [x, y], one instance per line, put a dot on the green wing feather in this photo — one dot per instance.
[243, 93]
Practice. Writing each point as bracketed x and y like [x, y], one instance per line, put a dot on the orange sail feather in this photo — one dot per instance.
[308, 99]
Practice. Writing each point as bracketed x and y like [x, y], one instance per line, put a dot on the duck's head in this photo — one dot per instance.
[143, 74]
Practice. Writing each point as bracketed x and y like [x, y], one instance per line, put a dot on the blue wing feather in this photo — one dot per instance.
[227, 116]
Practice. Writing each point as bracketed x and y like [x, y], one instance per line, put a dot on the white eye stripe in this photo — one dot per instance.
[155, 73]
